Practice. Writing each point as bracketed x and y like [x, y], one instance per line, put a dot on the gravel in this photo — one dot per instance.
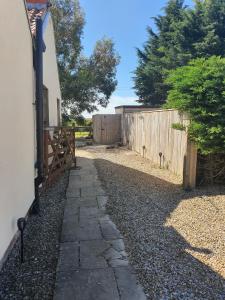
[174, 239]
[35, 278]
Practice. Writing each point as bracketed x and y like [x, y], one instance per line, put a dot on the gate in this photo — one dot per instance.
[107, 129]
[59, 152]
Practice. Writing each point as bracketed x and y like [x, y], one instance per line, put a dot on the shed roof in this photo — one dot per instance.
[135, 106]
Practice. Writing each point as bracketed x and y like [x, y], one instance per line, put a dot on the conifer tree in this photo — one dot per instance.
[182, 34]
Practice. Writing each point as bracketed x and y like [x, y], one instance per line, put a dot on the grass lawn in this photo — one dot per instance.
[81, 134]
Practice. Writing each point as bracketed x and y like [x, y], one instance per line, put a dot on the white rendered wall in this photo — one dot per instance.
[16, 119]
[51, 78]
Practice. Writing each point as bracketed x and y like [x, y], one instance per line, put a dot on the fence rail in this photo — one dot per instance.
[59, 151]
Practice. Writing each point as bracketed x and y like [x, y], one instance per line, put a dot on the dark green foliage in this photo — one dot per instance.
[85, 82]
[182, 34]
[199, 90]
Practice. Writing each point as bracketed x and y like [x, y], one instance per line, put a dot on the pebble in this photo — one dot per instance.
[169, 234]
[35, 279]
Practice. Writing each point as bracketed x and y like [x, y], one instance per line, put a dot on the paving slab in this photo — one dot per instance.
[69, 257]
[81, 183]
[73, 192]
[97, 284]
[90, 191]
[109, 230]
[92, 254]
[101, 254]
[69, 228]
[81, 202]
[72, 174]
[102, 201]
[71, 210]
[93, 263]
[129, 288]
[90, 213]
[89, 230]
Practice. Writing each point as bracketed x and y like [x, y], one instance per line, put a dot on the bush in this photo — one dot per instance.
[199, 90]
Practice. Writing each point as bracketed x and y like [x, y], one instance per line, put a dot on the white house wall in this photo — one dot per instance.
[16, 119]
[51, 78]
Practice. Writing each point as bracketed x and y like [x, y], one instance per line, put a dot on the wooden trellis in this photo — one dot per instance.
[59, 152]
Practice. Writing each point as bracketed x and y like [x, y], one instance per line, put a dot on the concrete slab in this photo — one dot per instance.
[89, 230]
[93, 264]
[74, 174]
[72, 192]
[118, 245]
[109, 230]
[69, 228]
[97, 284]
[90, 191]
[71, 210]
[129, 288]
[74, 183]
[116, 255]
[82, 202]
[102, 201]
[88, 213]
[92, 254]
[69, 257]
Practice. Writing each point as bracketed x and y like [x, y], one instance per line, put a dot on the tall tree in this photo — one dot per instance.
[163, 50]
[85, 81]
[182, 34]
[211, 14]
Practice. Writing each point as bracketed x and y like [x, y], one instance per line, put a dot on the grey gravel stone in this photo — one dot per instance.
[35, 279]
[174, 239]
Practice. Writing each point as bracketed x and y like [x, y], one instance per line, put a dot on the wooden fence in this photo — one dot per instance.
[152, 135]
[59, 152]
[107, 129]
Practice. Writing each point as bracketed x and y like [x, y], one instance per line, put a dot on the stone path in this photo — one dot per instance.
[93, 264]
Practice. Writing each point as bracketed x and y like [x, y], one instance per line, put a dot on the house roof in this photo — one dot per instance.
[33, 15]
[36, 9]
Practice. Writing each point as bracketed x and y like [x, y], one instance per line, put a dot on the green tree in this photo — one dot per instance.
[182, 34]
[211, 22]
[85, 81]
[199, 90]
[163, 51]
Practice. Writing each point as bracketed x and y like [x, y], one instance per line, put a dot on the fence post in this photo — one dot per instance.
[190, 166]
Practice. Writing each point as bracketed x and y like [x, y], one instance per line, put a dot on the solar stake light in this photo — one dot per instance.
[21, 224]
[160, 157]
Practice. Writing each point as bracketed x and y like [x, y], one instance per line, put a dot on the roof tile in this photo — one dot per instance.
[33, 15]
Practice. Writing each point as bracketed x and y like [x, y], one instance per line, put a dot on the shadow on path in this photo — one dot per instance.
[140, 205]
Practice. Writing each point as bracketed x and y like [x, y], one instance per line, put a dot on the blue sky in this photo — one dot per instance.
[124, 21]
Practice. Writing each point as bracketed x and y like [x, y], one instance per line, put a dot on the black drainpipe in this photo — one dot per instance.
[39, 49]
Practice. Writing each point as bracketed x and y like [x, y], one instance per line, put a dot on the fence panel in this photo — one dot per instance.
[106, 129]
[151, 133]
